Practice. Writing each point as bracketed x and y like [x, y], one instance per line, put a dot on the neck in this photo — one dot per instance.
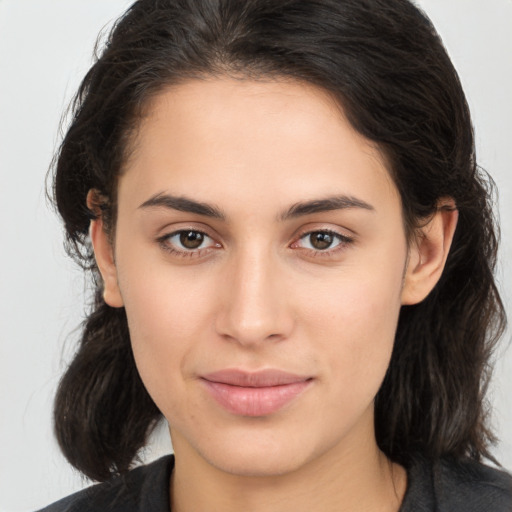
[356, 479]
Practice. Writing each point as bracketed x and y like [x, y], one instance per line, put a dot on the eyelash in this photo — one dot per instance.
[163, 241]
[343, 242]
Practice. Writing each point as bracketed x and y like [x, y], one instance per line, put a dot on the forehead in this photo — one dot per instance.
[282, 140]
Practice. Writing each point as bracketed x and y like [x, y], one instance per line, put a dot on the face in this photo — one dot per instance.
[260, 256]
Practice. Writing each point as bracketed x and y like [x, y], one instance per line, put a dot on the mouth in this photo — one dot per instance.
[254, 393]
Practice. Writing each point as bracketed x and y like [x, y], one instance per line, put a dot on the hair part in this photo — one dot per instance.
[386, 66]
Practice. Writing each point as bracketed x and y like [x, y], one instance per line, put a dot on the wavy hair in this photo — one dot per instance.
[387, 67]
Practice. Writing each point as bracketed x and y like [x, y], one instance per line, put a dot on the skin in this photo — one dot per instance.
[258, 294]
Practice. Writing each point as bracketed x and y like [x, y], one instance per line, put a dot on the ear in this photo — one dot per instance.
[428, 253]
[104, 253]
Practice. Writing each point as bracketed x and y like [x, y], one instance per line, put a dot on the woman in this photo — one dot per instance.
[293, 250]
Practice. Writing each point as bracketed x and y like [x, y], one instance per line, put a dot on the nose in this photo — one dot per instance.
[254, 302]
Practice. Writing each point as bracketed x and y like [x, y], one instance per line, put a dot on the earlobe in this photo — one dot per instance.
[104, 255]
[428, 253]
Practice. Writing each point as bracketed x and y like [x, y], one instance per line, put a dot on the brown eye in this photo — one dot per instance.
[320, 240]
[191, 239]
[188, 242]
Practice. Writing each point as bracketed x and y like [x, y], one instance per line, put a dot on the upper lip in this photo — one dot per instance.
[255, 379]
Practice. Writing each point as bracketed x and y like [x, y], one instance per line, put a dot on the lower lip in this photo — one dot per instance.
[251, 401]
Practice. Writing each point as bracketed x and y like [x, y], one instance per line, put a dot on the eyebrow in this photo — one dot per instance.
[184, 204]
[324, 205]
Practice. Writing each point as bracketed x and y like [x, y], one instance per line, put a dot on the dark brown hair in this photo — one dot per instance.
[387, 67]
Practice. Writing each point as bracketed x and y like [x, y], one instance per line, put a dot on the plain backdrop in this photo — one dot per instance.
[45, 49]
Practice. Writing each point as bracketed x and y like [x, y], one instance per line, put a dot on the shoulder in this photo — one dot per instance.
[143, 488]
[450, 485]
[474, 485]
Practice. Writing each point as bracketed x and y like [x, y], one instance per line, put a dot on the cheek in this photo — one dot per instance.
[358, 302]
[163, 302]
[168, 314]
[354, 327]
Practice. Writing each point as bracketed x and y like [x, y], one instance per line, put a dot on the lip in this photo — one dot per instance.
[254, 393]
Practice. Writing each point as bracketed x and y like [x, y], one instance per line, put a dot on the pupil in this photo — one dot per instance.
[191, 239]
[321, 240]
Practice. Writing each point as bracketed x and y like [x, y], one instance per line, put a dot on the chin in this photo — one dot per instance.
[264, 451]
[258, 462]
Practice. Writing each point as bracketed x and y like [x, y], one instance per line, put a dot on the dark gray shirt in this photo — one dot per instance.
[446, 486]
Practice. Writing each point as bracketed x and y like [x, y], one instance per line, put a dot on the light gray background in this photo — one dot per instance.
[45, 48]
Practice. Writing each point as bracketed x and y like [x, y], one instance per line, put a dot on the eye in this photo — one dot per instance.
[190, 239]
[321, 240]
[187, 241]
